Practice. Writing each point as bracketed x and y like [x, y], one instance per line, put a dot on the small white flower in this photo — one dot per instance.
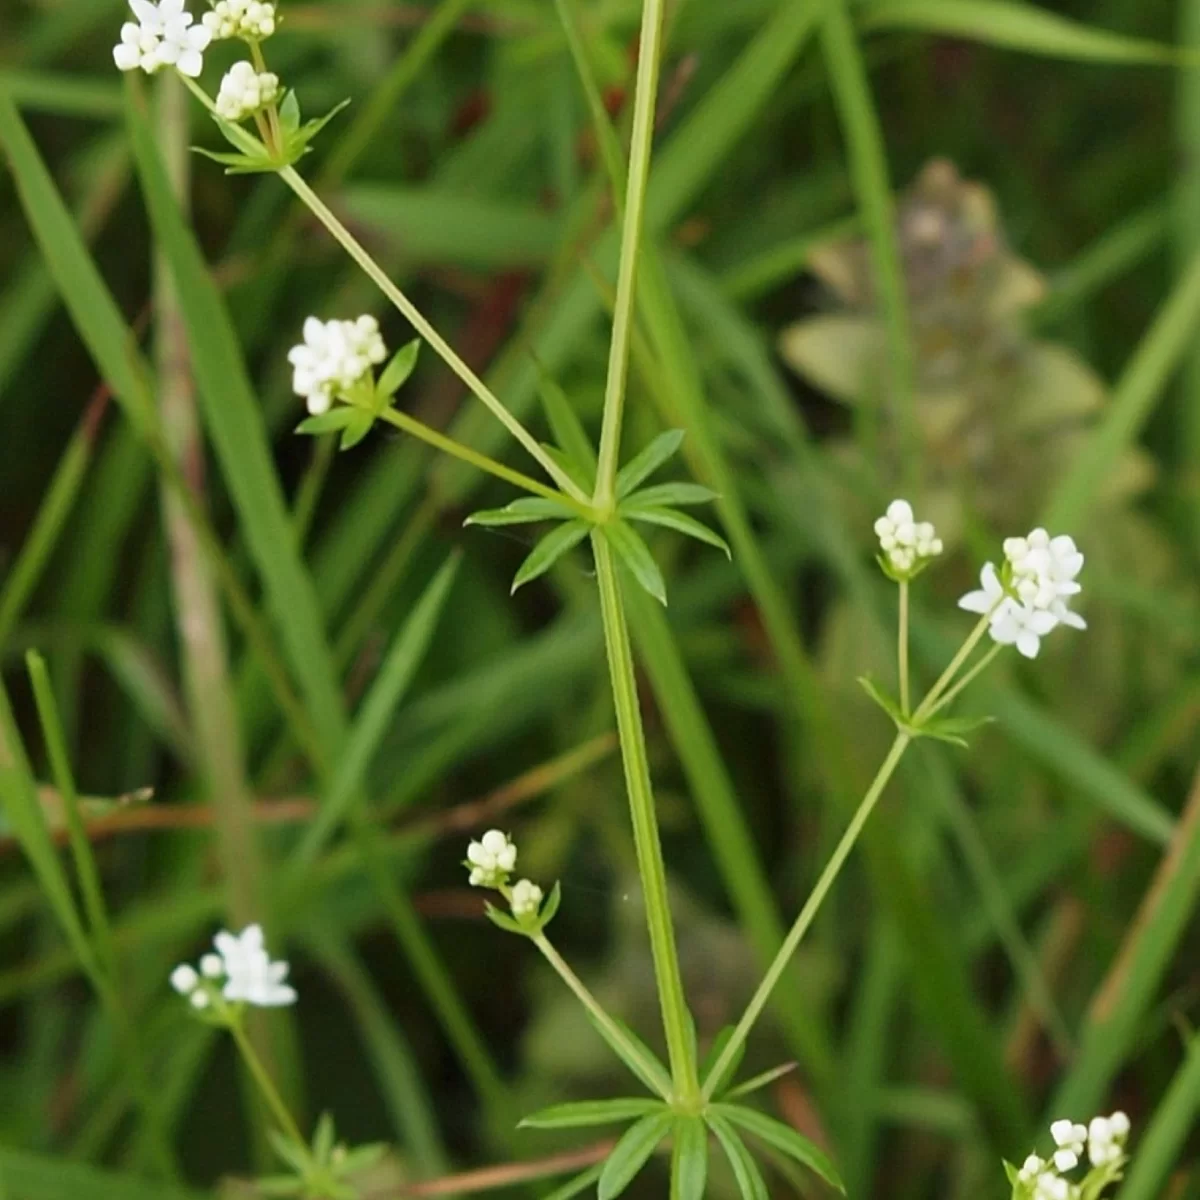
[212, 966]
[491, 859]
[1021, 626]
[526, 899]
[244, 91]
[1069, 1137]
[335, 357]
[251, 976]
[199, 999]
[906, 541]
[1044, 572]
[162, 36]
[1051, 1187]
[1031, 1168]
[185, 980]
[1106, 1138]
[248, 19]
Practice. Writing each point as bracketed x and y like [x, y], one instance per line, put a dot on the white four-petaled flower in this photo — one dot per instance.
[244, 91]
[491, 859]
[334, 359]
[162, 36]
[1042, 576]
[1069, 1137]
[906, 541]
[241, 972]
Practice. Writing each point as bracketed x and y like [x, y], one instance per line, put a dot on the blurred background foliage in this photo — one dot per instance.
[1011, 338]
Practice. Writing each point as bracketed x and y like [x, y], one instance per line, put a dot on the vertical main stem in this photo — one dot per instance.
[644, 105]
[676, 1020]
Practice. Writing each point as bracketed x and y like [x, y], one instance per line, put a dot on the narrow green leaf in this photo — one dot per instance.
[881, 698]
[297, 143]
[636, 556]
[375, 716]
[522, 512]
[566, 426]
[323, 1138]
[549, 550]
[238, 164]
[758, 1082]
[579, 1184]
[783, 1138]
[681, 523]
[292, 1153]
[358, 427]
[658, 1082]
[328, 422]
[591, 1112]
[502, 920]
[689, 1159]
[648, 460]
[289, 112]
[713, 1057]
[670, 495]
[396, 373]
[1024, 27]
[551, 906]
[631, 1153]
[745, 1170]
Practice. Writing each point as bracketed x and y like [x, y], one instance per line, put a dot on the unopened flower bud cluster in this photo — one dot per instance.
[335, 360]
[239, 972]
[491, 861]
[1104, 1140]
[250, 20]
[906, 542]
[1031, 600]
[244, 91]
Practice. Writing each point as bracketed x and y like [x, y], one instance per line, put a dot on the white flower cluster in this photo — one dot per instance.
[162, 36]
[491, 860]
[1031, 600]
[906, 542]
[334, 359]
[250, 20]
[244, 91]
[1104, 1138]
[241, 971]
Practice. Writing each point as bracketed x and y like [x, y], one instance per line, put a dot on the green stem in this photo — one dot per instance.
[676, 1020]
[902, 641]
[448, 445]
[645, 97]
[612, 1032]
[964, 652]
[265, 1084]
[978, 669]
[415, 318]
[808, 912]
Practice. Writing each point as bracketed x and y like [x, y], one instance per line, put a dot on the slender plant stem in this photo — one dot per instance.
[964, 652]
[447, 445]
[902, 643]
[414, 316]
[676, 1020]
[808, 912]
[978, 669]
[64, 780]
[645, 97]
[265, 1084]
[612, 1032]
